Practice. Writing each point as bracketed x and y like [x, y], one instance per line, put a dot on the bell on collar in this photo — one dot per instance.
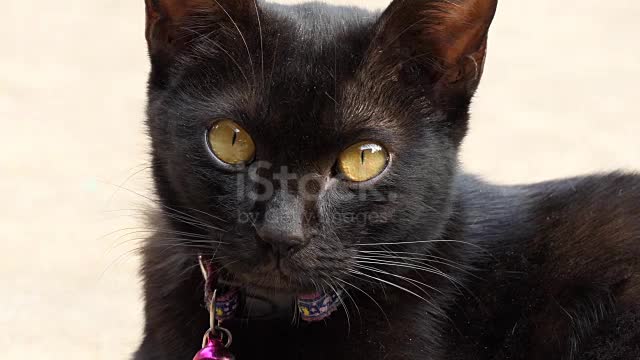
[214, 350]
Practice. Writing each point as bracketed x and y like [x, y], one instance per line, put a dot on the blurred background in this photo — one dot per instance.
[559, 98]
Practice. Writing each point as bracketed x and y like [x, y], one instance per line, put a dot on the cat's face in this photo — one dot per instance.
[304, 138]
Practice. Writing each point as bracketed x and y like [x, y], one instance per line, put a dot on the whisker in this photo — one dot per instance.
[413, 255]
[434, 271]
[346, 309]
[118, 259]
[200, 240]
[145, 167]
[422, 242]
[367, 295]
[244, 40]
[407, 279]
[226, 52]
[273, 65]
[349, 295]
[190, 217]
[422, 259]
[391, 284]
[255, 3]
[206, 214]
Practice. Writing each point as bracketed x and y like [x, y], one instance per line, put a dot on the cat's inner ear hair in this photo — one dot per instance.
[449, 35]
[167, 19]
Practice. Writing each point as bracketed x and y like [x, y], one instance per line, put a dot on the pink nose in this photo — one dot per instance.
[214, 350]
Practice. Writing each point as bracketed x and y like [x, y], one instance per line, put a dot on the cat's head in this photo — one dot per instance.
[298, 143]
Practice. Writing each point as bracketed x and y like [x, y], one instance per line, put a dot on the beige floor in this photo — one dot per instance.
[559, 98]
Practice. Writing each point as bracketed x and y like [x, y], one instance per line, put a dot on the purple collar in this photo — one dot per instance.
[313, 307]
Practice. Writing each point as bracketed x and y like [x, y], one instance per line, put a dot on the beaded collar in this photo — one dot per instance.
[225, 303]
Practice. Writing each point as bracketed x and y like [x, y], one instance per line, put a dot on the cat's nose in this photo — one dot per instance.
[281, 242]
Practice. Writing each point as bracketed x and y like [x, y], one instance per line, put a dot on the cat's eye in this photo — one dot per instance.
[230, 143]
[363, 161]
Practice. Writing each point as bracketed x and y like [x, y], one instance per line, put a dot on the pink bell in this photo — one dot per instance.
[214, 350]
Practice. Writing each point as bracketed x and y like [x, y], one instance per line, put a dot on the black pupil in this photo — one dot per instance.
[235, 138]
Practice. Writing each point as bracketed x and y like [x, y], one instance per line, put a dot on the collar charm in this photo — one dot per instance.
[213, 347]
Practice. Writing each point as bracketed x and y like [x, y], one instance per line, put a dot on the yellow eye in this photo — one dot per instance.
[231, 143]
[363, 161]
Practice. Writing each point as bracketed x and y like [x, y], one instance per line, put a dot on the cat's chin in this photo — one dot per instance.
[270, 284]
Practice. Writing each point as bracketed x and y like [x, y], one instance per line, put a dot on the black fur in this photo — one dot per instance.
[544, 271]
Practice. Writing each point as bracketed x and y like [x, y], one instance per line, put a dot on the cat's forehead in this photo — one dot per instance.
[309, 55]
[317, 21]
[315, 45]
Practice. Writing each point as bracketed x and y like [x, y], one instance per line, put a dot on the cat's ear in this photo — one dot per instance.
[167, 19]
[450, 36]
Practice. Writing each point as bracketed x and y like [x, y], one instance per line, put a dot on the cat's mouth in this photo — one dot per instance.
[274, 296]
[269, 283]
[269, 293]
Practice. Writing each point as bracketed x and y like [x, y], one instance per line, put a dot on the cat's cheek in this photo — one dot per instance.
[382, 217]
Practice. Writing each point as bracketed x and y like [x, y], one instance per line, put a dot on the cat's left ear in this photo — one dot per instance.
[448, 36]
[169, 22]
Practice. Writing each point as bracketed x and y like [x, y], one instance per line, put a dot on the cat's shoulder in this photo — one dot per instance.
[589, 229]
[599, 211]
[582, 230]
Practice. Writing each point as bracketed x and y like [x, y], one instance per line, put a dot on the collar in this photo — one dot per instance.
[234, 302]
[245, 304]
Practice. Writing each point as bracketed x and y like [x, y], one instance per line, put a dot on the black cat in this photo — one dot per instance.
[315, 148]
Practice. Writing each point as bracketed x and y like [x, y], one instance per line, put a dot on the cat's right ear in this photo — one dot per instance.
[168, 21]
